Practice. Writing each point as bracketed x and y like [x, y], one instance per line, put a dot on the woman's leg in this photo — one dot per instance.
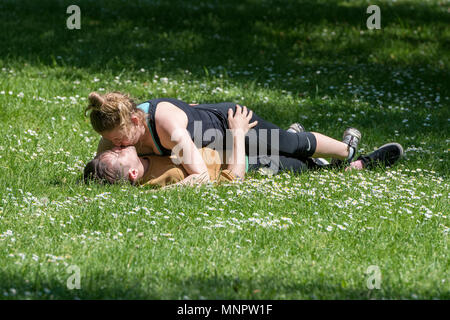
[293, 144]
[267, 138]
[329, 147]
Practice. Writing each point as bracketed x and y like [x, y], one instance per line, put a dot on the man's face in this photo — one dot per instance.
[124, 159]
[127, 157]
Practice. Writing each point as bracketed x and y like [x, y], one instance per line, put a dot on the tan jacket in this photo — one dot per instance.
[162, 171]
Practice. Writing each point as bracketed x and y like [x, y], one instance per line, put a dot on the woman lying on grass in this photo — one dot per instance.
[120, 164]
[163, 126]
[124, 164]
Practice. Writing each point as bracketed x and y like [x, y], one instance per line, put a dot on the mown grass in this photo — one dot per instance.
[311, 236]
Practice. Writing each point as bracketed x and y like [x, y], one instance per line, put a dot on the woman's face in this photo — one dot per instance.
[123, 137]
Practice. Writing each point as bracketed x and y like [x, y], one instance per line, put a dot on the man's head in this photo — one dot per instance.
[112, 166]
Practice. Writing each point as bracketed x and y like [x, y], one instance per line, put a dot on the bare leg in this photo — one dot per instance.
[329, 147]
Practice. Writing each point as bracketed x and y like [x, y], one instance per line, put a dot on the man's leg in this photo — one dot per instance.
[282, 163]
[384, 156]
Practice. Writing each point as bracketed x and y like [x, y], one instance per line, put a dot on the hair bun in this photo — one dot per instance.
[96, 100]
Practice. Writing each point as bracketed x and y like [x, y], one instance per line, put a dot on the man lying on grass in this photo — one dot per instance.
[124, 164]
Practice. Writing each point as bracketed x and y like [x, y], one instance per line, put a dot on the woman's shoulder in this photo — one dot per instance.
[155, 101]
[150, 105]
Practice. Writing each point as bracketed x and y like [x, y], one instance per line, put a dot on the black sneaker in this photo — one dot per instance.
[351, 137]
[384, 156]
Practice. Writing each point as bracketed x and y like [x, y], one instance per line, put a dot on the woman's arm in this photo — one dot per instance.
[239, 124]
[171, 124]
[190, 158]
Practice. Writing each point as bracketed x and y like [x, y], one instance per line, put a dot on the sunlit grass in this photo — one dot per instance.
[311, 236]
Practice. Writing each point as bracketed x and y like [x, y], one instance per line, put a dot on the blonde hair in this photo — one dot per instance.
[112, 110]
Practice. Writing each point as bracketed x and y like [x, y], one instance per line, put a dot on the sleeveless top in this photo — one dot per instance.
[207, 123]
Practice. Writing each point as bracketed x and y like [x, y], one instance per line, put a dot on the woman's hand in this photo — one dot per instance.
[240, 121]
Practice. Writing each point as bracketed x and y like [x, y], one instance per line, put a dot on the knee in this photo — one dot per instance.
[307, 144]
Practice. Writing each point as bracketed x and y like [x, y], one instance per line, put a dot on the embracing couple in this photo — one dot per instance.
[162, 142]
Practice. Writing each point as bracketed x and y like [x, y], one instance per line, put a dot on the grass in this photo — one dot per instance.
[310, 236]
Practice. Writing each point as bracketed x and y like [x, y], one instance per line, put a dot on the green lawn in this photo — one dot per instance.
[310, 236]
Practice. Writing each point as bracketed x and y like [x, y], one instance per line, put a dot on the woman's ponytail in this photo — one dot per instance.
[95, 101]
[111, 110]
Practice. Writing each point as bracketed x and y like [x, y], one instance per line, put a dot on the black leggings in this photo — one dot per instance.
[289, 144]
[265, 138]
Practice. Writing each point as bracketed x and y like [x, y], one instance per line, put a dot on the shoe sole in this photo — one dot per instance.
[320, 161]
[296, 127]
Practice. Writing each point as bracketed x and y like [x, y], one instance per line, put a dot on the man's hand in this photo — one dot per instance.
[240, 121]
[239, 124]
[192, 180]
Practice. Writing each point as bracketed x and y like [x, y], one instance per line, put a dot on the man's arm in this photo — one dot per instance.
[237, 162]
[239, 124]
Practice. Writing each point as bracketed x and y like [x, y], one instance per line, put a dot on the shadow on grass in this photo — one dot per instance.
[126, 35]
[274, 37]
[103, 286]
